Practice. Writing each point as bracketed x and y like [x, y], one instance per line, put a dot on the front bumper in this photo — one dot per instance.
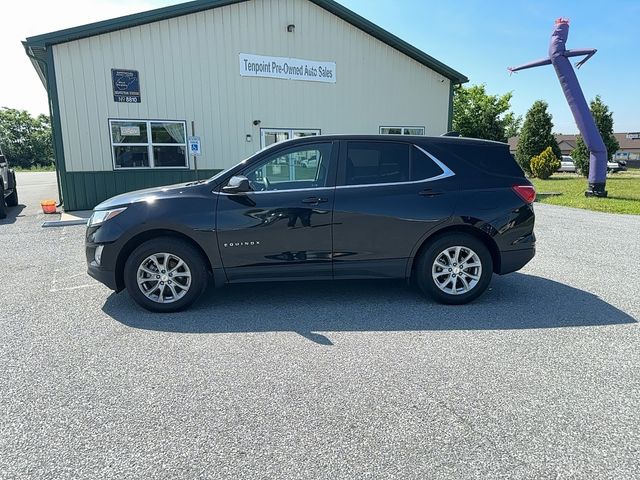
[105, 272]
[105, 277]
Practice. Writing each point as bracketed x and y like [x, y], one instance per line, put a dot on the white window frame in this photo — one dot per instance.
[290, 131]
[403, 129]
[149, 144]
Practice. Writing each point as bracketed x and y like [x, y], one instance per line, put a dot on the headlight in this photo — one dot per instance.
[102, 216]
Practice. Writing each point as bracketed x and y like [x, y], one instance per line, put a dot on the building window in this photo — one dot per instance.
[148, 144]
[402, 130]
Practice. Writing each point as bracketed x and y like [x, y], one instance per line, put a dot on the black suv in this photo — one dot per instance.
[8, 187]
[444, 212]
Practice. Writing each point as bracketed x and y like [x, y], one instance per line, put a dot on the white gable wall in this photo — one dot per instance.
[189, 70]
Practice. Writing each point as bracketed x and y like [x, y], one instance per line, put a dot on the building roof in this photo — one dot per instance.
[628, 141]
[36, 46]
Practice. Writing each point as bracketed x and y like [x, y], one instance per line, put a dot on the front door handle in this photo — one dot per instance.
[430, 193]
[315, 200]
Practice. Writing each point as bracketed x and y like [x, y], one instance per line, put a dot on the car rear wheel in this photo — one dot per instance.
[165, 275]
[454, 269]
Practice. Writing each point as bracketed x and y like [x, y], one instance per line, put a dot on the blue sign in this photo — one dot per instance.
[126, 85]
[194, 146]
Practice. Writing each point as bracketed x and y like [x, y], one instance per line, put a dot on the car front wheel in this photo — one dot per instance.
[454, 269]
[165, 275]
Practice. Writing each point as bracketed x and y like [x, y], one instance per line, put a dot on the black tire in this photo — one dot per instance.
[12, 200]
[425, 265]
[3, 205]
[191, 257]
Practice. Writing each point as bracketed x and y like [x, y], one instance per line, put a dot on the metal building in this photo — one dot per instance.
[125, 93]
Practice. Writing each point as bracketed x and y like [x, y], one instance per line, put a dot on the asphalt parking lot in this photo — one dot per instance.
[537, 379]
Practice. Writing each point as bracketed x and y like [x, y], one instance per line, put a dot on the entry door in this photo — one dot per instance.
[269, 136]
[283, 228]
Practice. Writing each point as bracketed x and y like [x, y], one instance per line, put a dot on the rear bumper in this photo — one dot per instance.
[514, 260]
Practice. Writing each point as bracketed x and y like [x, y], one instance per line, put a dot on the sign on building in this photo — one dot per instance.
[126, 85]
[194, 146]
[633, 136]
[287, 68]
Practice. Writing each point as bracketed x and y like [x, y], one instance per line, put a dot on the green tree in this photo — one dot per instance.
[536, 135]
[604, 121]
[476, 114]
[25, 140]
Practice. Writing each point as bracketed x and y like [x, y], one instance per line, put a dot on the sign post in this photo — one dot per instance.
[195, 148]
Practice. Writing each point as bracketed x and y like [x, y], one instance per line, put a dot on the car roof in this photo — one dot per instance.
[395, 138]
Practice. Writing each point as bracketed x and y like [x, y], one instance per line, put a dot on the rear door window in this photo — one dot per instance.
[422, 167]
[375, 163]
[370, 163]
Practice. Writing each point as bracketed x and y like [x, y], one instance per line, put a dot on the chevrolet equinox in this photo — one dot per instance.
[444, 213]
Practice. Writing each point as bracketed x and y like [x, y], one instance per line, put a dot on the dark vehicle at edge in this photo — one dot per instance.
[8, 187]
[445, 213]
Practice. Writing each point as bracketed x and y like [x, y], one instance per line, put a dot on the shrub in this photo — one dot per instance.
[545, 164]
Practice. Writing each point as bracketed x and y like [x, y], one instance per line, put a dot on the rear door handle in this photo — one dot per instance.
[431, 193]
[315, 200]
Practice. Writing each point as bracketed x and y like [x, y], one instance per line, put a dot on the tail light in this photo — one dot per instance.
[525, 192]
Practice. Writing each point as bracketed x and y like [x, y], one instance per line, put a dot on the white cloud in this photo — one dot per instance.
[20, 86]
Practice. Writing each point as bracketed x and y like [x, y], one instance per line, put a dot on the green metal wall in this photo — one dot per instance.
[84, 190]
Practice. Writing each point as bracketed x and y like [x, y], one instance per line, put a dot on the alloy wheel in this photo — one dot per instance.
[164, 278]
[456, 270]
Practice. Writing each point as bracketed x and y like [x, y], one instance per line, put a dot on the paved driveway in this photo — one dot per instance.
[33, 187]
[538, 379]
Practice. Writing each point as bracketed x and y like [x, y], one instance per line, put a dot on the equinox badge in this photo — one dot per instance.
[241, 244]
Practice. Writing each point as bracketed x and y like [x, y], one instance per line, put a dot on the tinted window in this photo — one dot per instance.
[422, 167]
[376, 162]
[492, 158]
[306, 166]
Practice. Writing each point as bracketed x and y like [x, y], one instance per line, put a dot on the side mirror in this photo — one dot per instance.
[237, 184]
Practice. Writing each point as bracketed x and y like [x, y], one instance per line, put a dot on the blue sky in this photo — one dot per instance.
[478, 38]
[482, 38]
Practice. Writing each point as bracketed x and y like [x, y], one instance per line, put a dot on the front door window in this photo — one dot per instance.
[299, 167]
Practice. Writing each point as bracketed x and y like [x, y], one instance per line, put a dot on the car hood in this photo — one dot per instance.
[148, 195]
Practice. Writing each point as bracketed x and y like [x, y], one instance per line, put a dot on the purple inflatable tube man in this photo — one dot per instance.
[559, 58]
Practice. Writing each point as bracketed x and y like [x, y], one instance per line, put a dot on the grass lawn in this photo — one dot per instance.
[50, 168]
[623, 188]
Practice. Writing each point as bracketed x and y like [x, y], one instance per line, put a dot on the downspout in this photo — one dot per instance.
[58, 177]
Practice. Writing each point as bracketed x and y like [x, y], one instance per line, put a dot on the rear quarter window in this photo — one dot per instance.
[491, 158]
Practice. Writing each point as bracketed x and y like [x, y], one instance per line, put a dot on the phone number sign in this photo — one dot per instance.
[126, 85]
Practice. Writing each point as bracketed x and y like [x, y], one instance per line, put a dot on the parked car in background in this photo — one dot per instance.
[445, 213]
[567, 164]
[8, 187]
[614, 167]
